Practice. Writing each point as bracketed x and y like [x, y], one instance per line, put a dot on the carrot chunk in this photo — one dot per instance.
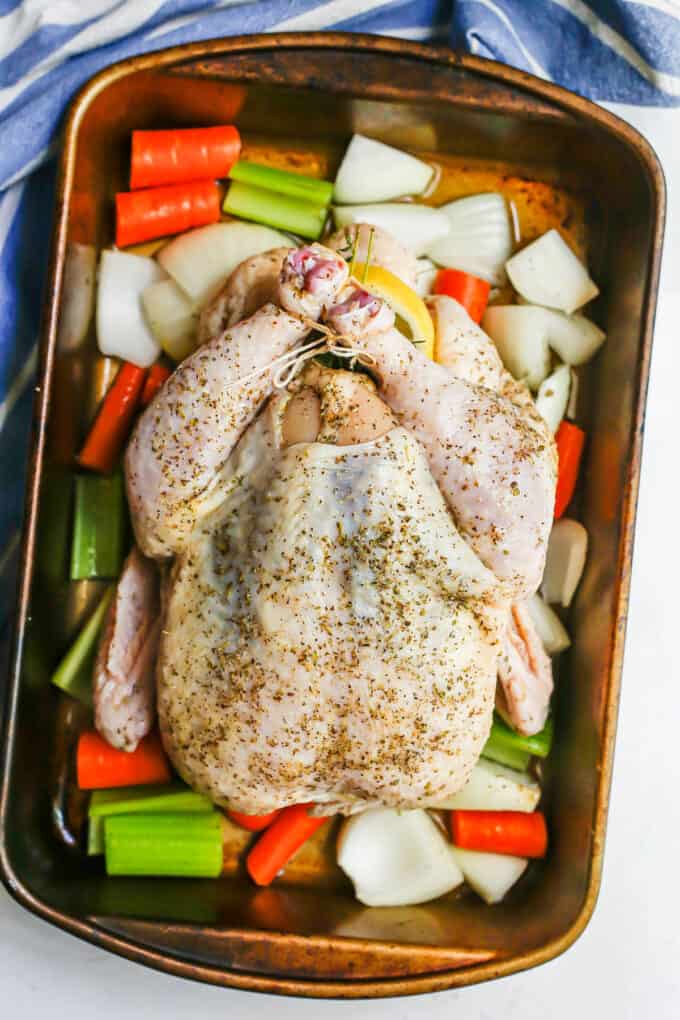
[500, 832]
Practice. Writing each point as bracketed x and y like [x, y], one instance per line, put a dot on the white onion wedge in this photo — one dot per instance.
[122, 330]
[201, 260]
[416, 226]
[490, 875]
[548, 273]
[553, 397]
[520, 332]
[567, 550]
[426, 274]
[480, 237]
[172, 318]
[551, 630]
[572, 406]
[78, 290]
[574, 338]
[493, 787]
[374, 172]
[396, 858]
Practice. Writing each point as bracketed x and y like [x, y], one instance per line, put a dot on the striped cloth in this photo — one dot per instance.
[605, 49]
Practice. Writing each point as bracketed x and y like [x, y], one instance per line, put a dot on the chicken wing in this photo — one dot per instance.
[184, 438]
[252, 284]
[124, 673]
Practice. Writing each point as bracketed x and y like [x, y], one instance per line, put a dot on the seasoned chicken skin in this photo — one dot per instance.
[337, 596]
[252, 284]
[524, 668]
[494, 463]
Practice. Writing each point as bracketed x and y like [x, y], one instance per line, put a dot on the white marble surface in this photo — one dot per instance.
[627, 963]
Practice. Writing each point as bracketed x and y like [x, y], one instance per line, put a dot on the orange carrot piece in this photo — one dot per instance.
[253, 823]
[279, 842]
[500, 832]
[183, 154]
[469, 291]
[570, 440]
[158, 373]
[100, 766]
[155, 212]
[112, 424]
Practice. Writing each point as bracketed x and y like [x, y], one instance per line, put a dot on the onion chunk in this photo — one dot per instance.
[480, 237]
[520, 334]
[396, 858]
[553, 397]
[122, 331]
[374, 172]
[548, 273]
[172, 317]
[551, 630]
[78, 291]
[567, 550]
[416, 226]
[490, 875]
[493, 787]
[202, 259]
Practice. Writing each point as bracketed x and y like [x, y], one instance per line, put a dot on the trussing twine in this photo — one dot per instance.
[288, 365]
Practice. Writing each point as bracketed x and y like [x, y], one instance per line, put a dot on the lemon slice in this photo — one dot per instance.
[403, 301]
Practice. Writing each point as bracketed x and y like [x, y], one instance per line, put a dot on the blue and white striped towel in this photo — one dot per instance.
[615, 50]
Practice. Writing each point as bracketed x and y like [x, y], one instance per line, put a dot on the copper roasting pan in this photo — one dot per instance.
[305, 94]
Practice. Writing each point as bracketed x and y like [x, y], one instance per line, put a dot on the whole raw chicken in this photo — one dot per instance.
[339, 556]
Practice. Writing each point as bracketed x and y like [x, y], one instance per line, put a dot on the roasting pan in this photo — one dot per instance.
[306, 93]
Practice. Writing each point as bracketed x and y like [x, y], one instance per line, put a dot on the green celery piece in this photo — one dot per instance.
[99, 527]
[509, 756]
[282, 211]
[135, 799]
[174, 845]
[148, 800]
[504, 738]
[95, 837]
[283, 182]
[74, 673]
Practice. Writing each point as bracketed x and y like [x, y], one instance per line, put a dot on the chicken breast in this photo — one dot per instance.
[327, 634]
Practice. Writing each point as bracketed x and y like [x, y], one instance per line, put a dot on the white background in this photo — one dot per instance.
[627, 963]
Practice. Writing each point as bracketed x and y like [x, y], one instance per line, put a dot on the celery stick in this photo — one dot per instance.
[504, 740]
[99, 527]
[283, 182]
[282, 211]
[136, 799]
[74, 673]
[181, 845]
[149, 800]
[510, 756]
[95, 837]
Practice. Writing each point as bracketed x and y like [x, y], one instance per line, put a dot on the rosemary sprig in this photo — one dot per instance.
[369, 252]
